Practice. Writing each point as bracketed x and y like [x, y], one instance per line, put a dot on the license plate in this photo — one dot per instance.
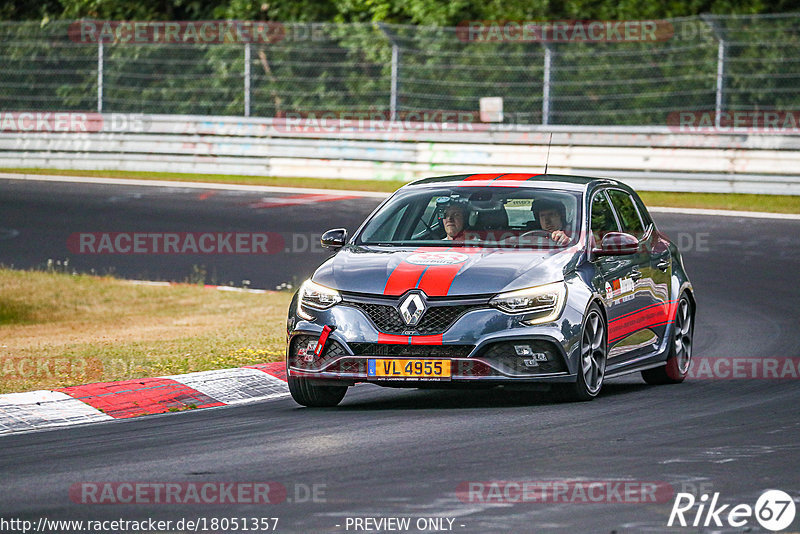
[409, 369]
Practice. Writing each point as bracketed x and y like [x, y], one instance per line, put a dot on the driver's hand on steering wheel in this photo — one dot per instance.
[560, 237]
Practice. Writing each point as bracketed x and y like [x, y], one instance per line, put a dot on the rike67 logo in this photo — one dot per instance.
[774, 510]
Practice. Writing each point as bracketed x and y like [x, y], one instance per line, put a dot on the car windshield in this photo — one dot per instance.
[476, 216]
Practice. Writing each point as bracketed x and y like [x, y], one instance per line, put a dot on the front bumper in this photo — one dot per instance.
[481, 345]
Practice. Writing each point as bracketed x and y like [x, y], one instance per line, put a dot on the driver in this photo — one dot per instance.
[552, 218]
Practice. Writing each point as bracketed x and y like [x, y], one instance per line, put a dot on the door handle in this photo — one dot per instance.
[636, 274]
[663, 265]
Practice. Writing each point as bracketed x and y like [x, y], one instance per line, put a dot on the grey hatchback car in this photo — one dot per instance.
[492, 279]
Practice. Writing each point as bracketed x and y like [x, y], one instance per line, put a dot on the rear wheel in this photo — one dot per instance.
[313, 395]
[594, 350]
[680, 352]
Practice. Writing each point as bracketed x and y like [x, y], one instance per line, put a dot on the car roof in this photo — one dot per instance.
[547, 181]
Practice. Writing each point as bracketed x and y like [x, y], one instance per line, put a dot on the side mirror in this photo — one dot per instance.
[617, 244]
[334, 239]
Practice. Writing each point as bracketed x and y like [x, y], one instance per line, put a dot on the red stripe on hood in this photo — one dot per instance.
[403, 278]
[406, 275]
[437, 279]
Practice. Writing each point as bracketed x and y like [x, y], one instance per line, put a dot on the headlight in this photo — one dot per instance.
[542, 303]
[313, 295]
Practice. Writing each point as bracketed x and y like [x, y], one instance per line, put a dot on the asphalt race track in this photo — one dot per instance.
[405, 453]
[38, 218]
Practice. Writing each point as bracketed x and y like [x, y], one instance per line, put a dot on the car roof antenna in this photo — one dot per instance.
[547, 159]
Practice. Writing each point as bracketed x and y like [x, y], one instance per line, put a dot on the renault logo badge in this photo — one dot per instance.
[411, 309]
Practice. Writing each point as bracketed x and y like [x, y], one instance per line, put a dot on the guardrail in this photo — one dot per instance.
[648, 158]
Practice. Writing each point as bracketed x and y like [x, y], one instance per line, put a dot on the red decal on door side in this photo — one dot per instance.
[650, 316]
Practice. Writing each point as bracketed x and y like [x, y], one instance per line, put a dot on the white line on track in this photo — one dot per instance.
[188, 185]
[727, 213]
[365, 194]
[207, 286]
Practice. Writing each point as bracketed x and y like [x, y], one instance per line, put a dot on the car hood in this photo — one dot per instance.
[440, 271]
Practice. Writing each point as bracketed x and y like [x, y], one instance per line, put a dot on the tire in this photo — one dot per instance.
[680, 350]
[593, 357]
[315, 396]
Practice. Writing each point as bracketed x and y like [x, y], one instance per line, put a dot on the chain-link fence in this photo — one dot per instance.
[701, 63]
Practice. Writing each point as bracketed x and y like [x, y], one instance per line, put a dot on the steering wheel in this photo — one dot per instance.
[429, 230]
[537, 233]
[426, 233]
[542, 234]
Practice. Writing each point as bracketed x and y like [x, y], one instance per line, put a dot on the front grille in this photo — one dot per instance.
[435, 320]
[411, 351]
[503, 355]
[349, 366]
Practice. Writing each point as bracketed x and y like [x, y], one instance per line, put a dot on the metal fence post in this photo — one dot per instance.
[720, 82]
[247, 79]
[395, 72]
[548, 73]
[100, 76]
[719, 101]
[395, 82]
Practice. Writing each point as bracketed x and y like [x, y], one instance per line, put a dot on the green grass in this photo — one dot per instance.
[743, 202]
[58, 329]
[723, 201]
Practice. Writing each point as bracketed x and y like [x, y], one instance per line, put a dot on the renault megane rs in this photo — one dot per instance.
[491, 279]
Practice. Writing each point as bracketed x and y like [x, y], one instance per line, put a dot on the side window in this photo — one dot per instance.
[387, 228]
[645, 216]
[603, 220]
[629, 216]
[426, 218]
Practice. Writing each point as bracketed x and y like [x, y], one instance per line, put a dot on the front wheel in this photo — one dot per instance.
[315, 396]
[594, 352]
[680, 352]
